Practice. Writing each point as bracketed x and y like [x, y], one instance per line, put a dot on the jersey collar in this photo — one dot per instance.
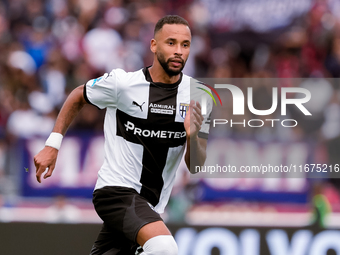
[161, 84]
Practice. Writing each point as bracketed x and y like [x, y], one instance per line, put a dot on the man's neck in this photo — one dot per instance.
[158, 74]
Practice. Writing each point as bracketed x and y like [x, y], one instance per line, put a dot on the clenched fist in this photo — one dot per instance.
[193, 120]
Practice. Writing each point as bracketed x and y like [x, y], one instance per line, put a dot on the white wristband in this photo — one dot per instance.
[54, 140]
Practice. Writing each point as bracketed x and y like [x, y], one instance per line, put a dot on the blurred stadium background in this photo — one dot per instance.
[48, 47]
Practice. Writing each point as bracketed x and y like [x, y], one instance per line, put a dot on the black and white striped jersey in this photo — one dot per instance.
[144, 131]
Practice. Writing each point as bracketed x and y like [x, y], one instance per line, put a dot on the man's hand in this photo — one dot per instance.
[193, 120]
[197, 146]
[46, 158]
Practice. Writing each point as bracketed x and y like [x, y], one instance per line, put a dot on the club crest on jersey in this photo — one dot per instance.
[183, 108]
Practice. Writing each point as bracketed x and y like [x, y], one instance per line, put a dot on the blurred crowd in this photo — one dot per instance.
[48, 47]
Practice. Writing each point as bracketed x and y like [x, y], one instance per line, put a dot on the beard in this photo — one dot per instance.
[166, 64]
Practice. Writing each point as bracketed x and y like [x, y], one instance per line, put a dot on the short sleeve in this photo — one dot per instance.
[102, 91]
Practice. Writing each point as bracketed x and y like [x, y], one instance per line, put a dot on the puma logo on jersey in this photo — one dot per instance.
[140, 106]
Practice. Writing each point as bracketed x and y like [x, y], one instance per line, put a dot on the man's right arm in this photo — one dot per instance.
[47, 157]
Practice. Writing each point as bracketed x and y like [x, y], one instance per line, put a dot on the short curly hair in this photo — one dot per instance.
[170, 19]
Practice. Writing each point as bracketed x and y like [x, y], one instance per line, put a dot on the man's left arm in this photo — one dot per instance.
[196, 146]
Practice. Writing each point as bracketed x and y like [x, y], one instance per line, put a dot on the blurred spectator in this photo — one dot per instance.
[26, 122]
[332, 62]
[53, 78]
[101, 46]
[22, 61]
[62, 212]
[321, 207]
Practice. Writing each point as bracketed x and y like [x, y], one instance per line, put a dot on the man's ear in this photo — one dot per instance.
[153, 45]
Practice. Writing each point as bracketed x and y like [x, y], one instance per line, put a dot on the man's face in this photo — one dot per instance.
[172, 47]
